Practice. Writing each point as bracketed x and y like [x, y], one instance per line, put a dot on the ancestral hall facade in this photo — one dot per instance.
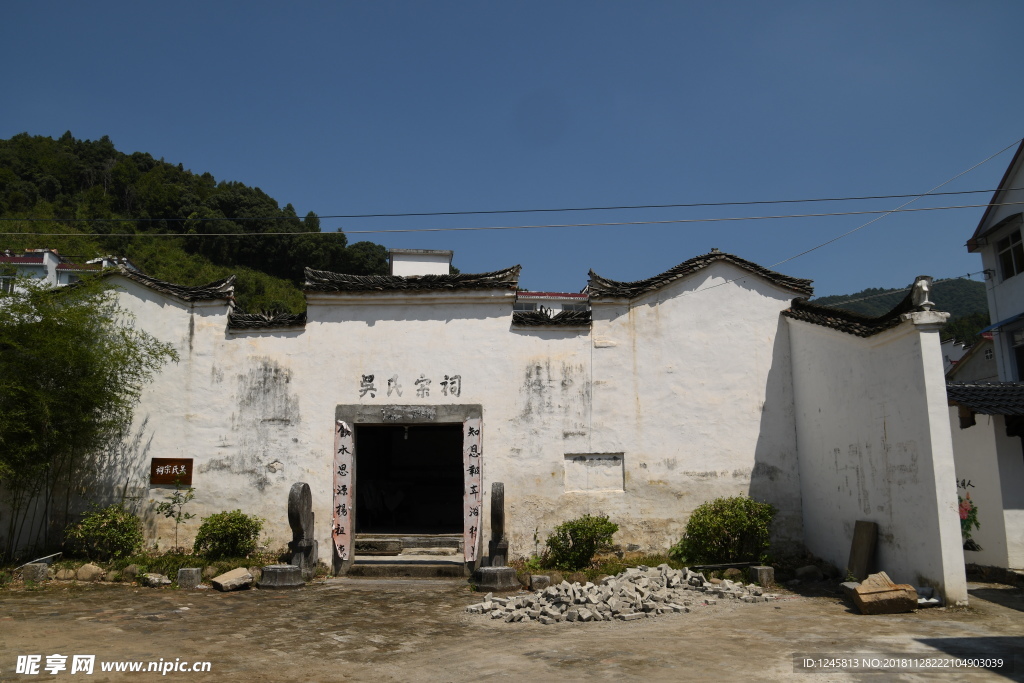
[401, 399]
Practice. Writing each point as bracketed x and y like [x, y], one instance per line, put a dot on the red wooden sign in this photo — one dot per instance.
[171, 471]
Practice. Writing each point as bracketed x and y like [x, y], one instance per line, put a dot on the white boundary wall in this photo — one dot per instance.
[874, 440]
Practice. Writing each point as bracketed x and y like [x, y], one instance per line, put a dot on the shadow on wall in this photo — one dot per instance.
[118, 472]
[775, 477]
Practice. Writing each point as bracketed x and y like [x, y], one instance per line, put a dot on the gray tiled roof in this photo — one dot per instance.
[601, 287]
[848, 321]
[543, 319]
[326, 281]
[264, 321]
[988, 398]
[221, 289]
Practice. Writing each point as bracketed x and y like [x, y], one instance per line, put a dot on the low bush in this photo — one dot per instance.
[574, 543]
[108, 533]
[726, 530]
[228, 534]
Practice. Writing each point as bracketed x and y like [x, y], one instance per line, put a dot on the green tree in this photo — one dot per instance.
[72, 367]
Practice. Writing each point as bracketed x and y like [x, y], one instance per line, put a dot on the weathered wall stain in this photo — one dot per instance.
[267, 413]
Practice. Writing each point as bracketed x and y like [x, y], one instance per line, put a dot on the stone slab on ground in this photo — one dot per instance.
[862, 549]
[189, 578]
[154, 580]
[234, 580]
[877, 594]
[281, 576]
[497, 579]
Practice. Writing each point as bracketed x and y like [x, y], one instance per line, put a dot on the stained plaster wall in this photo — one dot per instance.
[694, 388]
[691, 392]
[873, 434]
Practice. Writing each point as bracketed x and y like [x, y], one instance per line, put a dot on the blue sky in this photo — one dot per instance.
[390, 107]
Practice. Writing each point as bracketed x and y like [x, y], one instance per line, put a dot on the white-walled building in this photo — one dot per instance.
[988, 417]
[401, 399]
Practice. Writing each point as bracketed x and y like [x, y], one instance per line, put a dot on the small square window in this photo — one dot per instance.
[521, 306]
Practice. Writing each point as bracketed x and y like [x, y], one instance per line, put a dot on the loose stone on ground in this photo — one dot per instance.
[636, 593]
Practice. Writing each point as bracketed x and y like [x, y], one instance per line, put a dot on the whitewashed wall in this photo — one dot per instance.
[873, 433]
[694, 388]
[680, 397]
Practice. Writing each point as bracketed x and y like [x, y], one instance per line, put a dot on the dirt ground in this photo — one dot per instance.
[417, 630]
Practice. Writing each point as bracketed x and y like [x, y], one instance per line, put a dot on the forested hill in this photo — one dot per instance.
[67, 178]
[963, 299]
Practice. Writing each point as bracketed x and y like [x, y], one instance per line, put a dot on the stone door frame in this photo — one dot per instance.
[344, 486]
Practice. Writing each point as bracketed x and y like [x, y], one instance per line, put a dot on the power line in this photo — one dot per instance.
[898, 209]
[534, 227]
[505, 211]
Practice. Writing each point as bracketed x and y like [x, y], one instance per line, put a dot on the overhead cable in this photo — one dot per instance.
[883, 213]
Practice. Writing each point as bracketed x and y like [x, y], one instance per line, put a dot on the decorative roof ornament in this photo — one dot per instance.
[920, 292]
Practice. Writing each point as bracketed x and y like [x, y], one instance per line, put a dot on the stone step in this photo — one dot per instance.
[392, 544]
[412, 569]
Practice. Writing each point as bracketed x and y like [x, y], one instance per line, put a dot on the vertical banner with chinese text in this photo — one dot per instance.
[472, 453]
[342, 517]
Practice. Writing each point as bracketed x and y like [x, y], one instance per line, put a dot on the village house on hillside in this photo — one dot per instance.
[401, 399]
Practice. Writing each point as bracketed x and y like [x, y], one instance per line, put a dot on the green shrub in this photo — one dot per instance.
[108, 533]
[574, 543]
[227, 534]
[725, 530]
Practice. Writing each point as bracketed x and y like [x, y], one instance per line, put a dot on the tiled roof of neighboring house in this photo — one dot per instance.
[848, 321]
[326, 281]
[36, 260]
[543, 319]
[221, 289]
[264, 321]
[995, 398]
[601, 287]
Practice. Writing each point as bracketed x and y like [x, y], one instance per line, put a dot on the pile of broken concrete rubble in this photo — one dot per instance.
[636, 593]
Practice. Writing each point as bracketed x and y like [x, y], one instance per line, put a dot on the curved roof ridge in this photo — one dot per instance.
[327, 281]
[604, 287]
[848, 321]
[218, 289]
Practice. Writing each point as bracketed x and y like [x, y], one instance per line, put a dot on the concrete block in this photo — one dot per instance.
[37, 571]
[189, 578]
[281, 576]
[631, 617]
[764, 576]
[539, 582]
[236, 579]
[497, 579]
